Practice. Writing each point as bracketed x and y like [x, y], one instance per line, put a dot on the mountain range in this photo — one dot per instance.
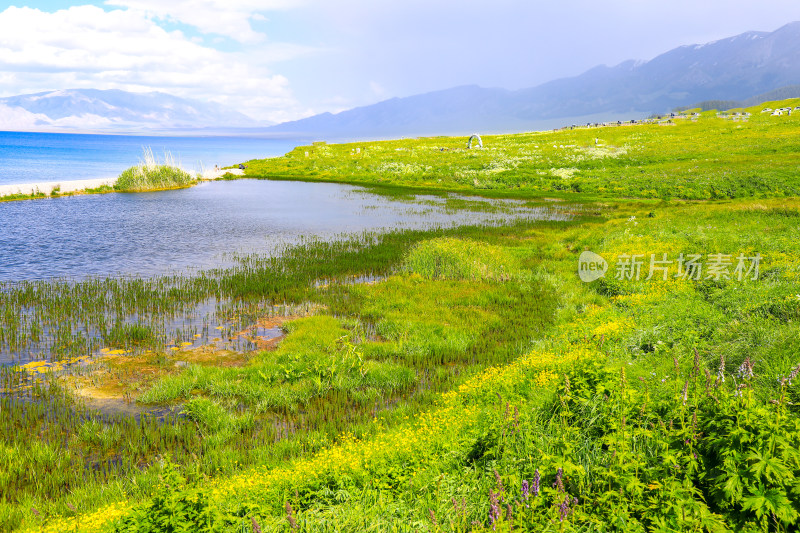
[114, 111]
[728, 70]
[732, 69]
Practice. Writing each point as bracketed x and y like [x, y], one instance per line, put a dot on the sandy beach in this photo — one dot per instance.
[212, 174]
[47, 186]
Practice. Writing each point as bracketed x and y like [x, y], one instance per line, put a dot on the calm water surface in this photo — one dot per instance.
[39, 157]
[152, 233]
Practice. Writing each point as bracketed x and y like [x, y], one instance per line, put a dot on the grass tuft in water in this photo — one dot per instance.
[152, 175]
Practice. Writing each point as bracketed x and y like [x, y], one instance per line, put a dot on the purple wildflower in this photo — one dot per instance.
[494, 511]
[563, 509]
[499, 482]
[559, 484]
[794, 373]
[434, 521]
[536, 479]
[256, 527]
[746, 369]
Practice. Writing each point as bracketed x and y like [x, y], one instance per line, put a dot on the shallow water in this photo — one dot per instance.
[146, 234]
[149, 235]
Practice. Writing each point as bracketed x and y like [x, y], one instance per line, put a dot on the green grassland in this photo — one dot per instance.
[706, 157]
[473, 382]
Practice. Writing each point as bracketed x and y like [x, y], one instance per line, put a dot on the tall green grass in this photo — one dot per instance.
[151, 175]
[457, 259]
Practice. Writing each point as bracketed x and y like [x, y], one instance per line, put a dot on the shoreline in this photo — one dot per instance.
[47, 187]
[29, 191]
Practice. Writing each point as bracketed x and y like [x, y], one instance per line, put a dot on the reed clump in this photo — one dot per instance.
[152, 175]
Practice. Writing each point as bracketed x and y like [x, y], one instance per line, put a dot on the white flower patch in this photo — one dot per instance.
[396, 167]
[563, 173]
[601, 152]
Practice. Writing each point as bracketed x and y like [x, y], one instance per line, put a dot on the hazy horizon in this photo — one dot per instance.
[287, 59]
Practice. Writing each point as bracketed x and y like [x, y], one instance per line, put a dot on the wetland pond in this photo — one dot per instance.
[78, 272]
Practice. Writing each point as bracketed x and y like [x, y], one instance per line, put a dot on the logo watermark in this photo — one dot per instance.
[591, 266]
[717, 266]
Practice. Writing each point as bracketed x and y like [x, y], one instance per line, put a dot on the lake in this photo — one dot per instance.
[42, 157]
[152, 233]
[48, 245]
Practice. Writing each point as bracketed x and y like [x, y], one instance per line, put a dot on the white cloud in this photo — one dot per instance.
[17, 119]
[230, 18]
[87, 47]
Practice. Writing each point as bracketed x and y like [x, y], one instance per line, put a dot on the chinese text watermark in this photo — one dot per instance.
[716, 266]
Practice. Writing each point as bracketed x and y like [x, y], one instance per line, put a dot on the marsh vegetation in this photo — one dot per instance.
[154, 175]
[446, 379]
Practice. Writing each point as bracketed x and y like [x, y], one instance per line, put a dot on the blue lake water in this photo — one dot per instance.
[39, 157]
[178, 231]
[153, 233]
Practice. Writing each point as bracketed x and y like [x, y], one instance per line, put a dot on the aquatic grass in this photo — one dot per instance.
[21, 196]
[301, 405]
[152, 175]
[63, 318]
[316, 359]
[449, 258]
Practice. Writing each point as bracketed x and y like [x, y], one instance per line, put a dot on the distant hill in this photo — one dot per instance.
[731, 69]
[113, 110]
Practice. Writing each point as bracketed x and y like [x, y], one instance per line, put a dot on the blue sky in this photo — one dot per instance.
[283, 59]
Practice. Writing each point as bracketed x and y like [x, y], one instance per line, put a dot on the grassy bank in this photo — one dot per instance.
[56, 192]
[326, 377]
[470, 381]
[686, 157]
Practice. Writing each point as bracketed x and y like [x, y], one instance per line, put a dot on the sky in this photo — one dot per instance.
[278, 60]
